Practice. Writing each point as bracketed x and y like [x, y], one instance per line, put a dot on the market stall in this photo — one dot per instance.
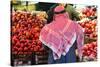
[88, 20]
[26, 49]
[25, 36]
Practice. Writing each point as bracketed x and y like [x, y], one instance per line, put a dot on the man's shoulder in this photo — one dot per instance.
[76, 25]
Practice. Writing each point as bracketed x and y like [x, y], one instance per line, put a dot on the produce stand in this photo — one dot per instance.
[32, 22]
[88, 20]
[38, 55]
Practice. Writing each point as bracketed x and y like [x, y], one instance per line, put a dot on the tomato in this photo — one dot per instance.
[26, 29]
[90, 50]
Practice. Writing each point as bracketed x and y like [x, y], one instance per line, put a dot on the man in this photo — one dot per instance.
[62, 36]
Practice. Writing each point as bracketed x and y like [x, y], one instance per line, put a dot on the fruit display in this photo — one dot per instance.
[88, 20]
[26, 24]
[90, 28]
[25, 33]
[89, 11]
[90, 51]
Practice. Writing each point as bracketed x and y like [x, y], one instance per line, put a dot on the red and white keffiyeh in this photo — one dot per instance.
[61, 34]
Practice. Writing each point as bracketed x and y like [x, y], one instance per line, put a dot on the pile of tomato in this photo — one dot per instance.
[25, 29]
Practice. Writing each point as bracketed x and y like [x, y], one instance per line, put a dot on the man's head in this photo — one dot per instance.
[59, 9]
